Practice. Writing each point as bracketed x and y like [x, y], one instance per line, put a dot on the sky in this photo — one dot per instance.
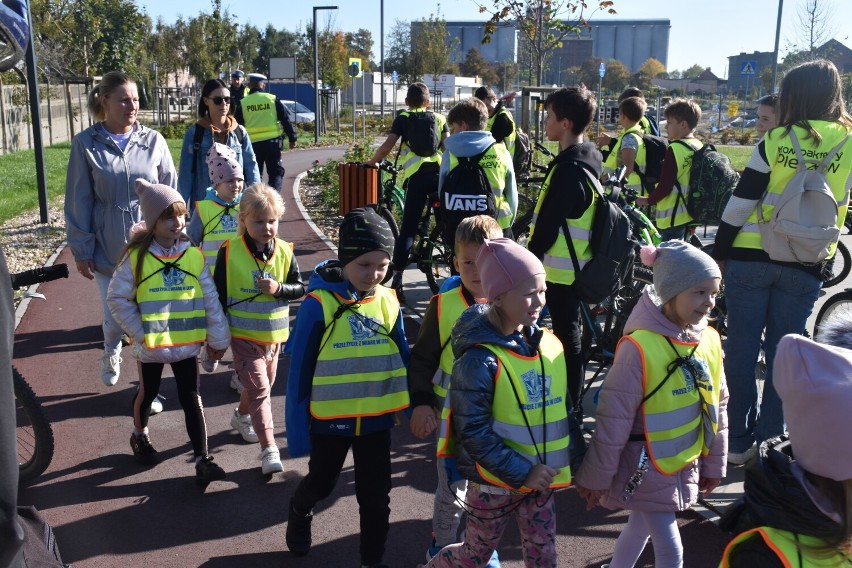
[703, 32]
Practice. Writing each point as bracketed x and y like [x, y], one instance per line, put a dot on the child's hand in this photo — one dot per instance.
[424, 420]
[268, 286]
[602, 139]
[214, 354]
[641, 201]
[706, 485]
[540, 477]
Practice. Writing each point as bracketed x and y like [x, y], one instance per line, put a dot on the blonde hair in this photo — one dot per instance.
[143, 238]
[476, 230]
[109, 83]
[258, 199]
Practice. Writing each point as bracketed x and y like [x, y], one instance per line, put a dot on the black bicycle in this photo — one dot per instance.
[841, 301]
[32, 428]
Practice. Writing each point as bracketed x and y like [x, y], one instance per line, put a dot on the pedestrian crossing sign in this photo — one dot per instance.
[748, 68]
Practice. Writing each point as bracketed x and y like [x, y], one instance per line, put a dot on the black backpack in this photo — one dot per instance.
[655, 153]
[612, 246]
[466, 192]
[522, 157]
[711, 182]
[422, 134]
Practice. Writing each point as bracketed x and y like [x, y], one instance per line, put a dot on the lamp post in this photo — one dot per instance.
[775, 53]
[382, 53]
[316, 72]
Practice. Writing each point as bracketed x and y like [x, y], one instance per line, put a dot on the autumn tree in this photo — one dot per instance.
[543, 24]
[650, 69]
[617, 76]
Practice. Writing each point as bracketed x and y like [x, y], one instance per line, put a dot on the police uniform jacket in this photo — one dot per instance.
[281, 113]
[612, 458]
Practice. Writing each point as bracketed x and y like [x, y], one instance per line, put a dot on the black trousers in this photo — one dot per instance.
[564, 306]
[268, 155]
[186, 380]
[418, 188]
[372, 484]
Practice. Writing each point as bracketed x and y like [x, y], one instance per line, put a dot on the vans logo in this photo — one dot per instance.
[478, 203]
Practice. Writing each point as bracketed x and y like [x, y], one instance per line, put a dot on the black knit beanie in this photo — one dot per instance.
[362, 231]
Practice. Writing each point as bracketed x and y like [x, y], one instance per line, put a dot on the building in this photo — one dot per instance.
[745, 69]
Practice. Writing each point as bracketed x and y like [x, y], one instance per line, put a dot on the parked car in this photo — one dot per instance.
[298, 112]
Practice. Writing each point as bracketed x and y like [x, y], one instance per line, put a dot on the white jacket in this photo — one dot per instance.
[121, 298]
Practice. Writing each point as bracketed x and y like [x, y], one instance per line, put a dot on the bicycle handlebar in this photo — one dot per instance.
[37, 275]
[543, 149]
[387, 166]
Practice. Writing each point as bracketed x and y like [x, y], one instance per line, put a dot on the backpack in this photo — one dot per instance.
[466, 192]
[653, 127]
[422, 134]
[655, 153]
[712, 180]
[522, 157]
[803, 225]
[612, 246]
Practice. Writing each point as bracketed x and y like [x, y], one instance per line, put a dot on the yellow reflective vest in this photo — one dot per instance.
[791, 548]
[681, 417]
[528, 411]
[170, 298]
[218, 224]
[782, 163]
[451, 305]
[495, 163]
[410, 161]
[613, 161]
[671, 210]
[261, 117]
[252, 315]
[359, 370]
[508, 141]
[558, 266]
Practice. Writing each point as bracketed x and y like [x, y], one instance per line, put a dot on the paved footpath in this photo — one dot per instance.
[108, 511]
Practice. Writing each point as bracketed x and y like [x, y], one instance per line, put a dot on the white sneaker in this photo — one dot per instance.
[110, 368]
[235, 383]
[242, 424]
[157, 405]
[741, 458]
[209, 365]
[270, 461]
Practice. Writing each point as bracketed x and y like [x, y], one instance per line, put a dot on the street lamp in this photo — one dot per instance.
[316, 73]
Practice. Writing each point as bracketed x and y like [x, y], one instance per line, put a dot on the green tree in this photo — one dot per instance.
[281, 43]
[650, 69]
[474, 65]
[617, 76]
[398, 53]
[693, 72]
[433, 49]
[588, 74]
[360, 44]
[333, 58]
[543, 24]
[209, 39]
[507, 75]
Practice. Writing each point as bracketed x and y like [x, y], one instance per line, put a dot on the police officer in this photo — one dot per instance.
[238, 89]
[266, 121]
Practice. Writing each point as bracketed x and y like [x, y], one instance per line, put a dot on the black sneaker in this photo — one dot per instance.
[298, 534]
[207, 471]
[143, 451]
[396, 286]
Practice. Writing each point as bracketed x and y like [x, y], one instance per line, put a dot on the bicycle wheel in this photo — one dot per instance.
[840, 302]
[435, 260]
[33, 431]
[842, 266]
[521, 228]
[388, 216]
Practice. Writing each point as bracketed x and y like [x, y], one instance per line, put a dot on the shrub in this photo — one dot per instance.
[325, 175]
[174, 130]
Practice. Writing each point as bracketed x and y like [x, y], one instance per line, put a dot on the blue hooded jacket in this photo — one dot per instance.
[303, 348]
[195, 230]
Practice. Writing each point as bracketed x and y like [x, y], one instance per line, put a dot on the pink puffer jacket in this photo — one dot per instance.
[612, 459]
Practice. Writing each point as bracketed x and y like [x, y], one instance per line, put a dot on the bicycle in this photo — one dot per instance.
[841, 301]
[32, 429]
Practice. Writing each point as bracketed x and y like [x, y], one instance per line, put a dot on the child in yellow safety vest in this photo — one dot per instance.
[347, 381]
[661, 422]
[164, 298]
[215, 218]
[432, 365]
[629, 150]
[256, 276]
[508, 424]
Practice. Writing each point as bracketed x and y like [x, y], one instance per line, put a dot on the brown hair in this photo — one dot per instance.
[471, 111]
[631, 92]
[633, 108]
[477, 229]
[811, 91]
[258, 199]
[417, 95]
[484, 93]
[109, 83]
[208, 88]
[684, 109]
[142, 239]
[577, 104]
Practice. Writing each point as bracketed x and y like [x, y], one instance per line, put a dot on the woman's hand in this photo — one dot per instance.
[86, 268]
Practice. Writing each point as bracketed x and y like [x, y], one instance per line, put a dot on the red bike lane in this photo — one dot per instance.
[108, 511]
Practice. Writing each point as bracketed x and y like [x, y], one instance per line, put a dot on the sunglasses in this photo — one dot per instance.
[220, 100]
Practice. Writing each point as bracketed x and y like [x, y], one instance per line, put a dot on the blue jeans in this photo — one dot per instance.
[760, 295]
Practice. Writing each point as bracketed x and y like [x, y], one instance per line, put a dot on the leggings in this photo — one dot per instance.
[256, 366]
[661, 527]
[186, 379]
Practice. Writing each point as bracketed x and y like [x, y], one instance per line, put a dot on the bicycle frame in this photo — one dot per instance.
[390, 194]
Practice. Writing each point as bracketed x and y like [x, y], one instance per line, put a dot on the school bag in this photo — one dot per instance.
[803, 225]
[612, 246]
[712, 180]
[522, 157]
[655, 153]
[466, 192]
[421, 133]
[653, 127]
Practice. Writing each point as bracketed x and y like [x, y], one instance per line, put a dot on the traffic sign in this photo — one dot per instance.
[355, 69]
[602, 69]
[748, 67]
[733, 109]
[394, 77]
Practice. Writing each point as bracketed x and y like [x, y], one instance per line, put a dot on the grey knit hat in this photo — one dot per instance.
[154, 198]
[362, 231]
[677, 267]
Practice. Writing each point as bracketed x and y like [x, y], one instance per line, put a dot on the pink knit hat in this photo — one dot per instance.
[814, 382]
[503, 264]
[222, 164]
[154, 198]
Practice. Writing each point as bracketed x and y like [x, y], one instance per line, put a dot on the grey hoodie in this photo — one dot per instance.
[100, 201]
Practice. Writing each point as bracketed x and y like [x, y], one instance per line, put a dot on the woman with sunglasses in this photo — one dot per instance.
[214, 124]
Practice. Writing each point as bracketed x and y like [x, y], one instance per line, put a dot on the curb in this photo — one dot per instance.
[296, 185]
[25, 301]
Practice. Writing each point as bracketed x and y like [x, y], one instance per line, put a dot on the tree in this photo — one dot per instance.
[333, 58]
[693, 72]
[431, 49]
[209, 39]
[650, 69]
[543, 24]
[816, 18]
[398, 55]
[507, 74]
[282, 43]
[617, 76]
[474, 65]
[360, 44]
[588, 74]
